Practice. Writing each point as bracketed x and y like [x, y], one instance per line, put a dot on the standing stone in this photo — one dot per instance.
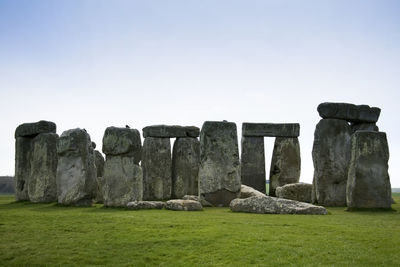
[368, 184]
[285, 163]
[99, 162]
[156, 164]
[331, 157]
[22, 167]
[185, 167]
[253, 163]
[76, 170]
[219, 172]
[42, 180]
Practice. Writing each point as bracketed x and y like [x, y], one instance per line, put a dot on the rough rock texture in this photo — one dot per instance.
[123, 181]
[43, 168]
[185, 167]
[285, 163]
[157, 164]
[145, 205]
[363, 127]
[76, 170]
[253, 163]
[298, 191]
[22, 167]
[173, 131]
[219, 172]
[98, 189]
[368, 184]
[202, 201]
[99, 162]
[331, 157]
[247, 191]
[35, 128]
[271, 129]
[122, 142]
[273, 205]
[349, 112]
[183, 205]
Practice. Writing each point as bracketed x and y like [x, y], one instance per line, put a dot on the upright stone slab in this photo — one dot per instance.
[76, 170]
[185, 167]
[253, 163]
[368, 184]
[157, 164]
[349, 112]
[331, 157]
[42, 180]
[99, 162]
[22, 167]
[219, 172]
[285, 163]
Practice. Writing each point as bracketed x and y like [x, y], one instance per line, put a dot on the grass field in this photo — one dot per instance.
[48, 234]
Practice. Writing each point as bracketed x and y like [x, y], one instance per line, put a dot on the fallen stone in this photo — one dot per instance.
[247, 191]
[270, 129]
[22, 167]
[157, 164]
[285, 163]
[185, 167]
[122, 142]
[363, 127]
[183, 205]
[145, 205]
[273, 205]
[173, 131]
[368, 184]
[35, 128]
[349, 112]
[202, 201]
[297, 191]
[219, 172]
[252, 162]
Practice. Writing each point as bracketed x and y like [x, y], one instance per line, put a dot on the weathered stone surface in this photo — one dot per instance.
[22, 167]
[76, 170]
[331, 157]
[7, 185]
[219, 172]
[172, 131]
[363, 127]
[349, 112]
[157, 164]
[34, 128]
[247, 191]
[253, 163]
[99, 162]
[42, 180]
[183, 205]
[285, 163]
[368, 184]
[185, 167]
[122, 142]
[98, 189]
[202, 201]
[145, 205]
[273, 205]
[123, 181]
[271, 129]
[298, 191]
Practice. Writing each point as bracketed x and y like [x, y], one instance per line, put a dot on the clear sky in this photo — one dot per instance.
[94, 64]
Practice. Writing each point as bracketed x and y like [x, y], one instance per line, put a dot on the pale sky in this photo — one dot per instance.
[94, 64]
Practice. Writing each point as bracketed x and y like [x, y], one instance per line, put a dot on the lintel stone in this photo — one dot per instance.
[270, 129]
[170, 131]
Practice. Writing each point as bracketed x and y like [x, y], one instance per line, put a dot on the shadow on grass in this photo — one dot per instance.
[369, 210]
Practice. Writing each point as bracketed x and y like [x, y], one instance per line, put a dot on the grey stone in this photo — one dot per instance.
[34, 128]
[349, 112]
[123, 181]
[7, 185]
[99, 162]
[22, 167]
[94, 145]
[173, 131]
[185, 167]
[43, 168]
[202, 201]
[183, 205]
[122, 142]
[247, 191]
[363, 127]
[98, 189]
[285, 163]
[253, 163]
[331, 157]
[273, 205]
[298, 191]
[219, 172]
[271, 129]
[157, 164]
[368, 184]
[145, 205]
[76, 170]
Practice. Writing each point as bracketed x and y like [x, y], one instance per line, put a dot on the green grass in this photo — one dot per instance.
[48, 234]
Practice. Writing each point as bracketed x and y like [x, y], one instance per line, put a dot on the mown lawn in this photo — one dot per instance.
[48, 234]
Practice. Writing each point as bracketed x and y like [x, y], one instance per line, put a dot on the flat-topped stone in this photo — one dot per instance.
[297, 191]
[183, 205]
[145, 205]
[349, 112]
[271, 129]
[247, 191]
[34, 128]
[170, 131]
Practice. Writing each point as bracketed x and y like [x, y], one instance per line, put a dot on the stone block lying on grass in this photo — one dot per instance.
[297, 191]
[247, 191]
[145, 205]
[202, 201]
[183, 205]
